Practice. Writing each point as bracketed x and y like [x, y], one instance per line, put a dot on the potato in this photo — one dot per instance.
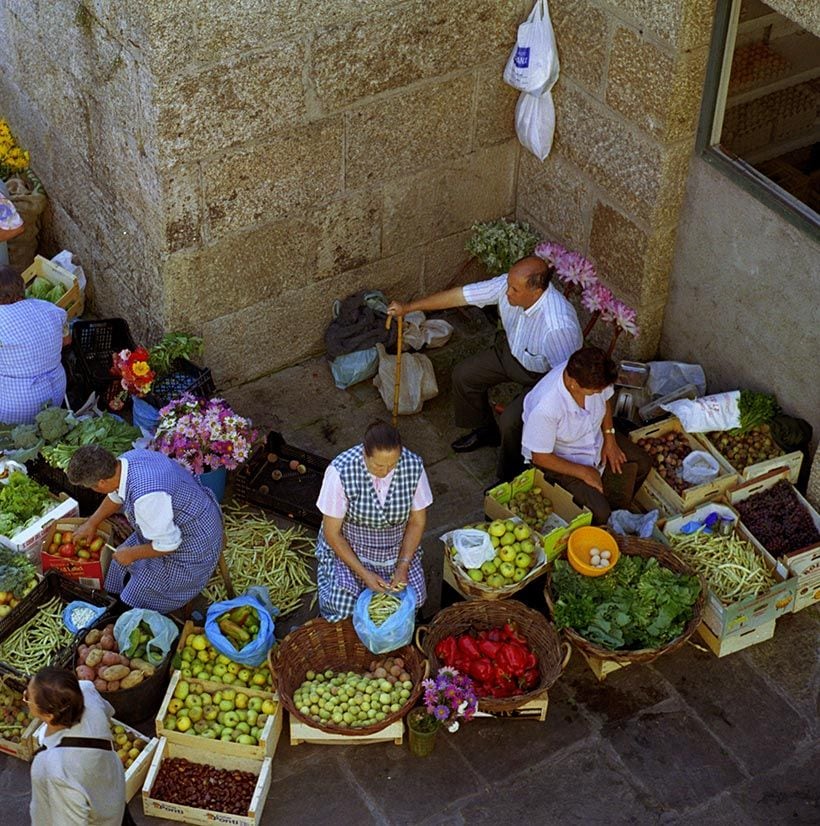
[114, 685]
[111, 658]
[134, 678]
[143, 666]
[100, 685]
[93, 636]
[114, 672]
[107, 642]
[94, 657]
[85, 673]
[82, 653]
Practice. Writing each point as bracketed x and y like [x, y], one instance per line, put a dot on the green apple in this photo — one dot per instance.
[495, 541]
[519, 574]
[488, 568]
[231, 719]
[527, 546]
[210, 712]
[509, 525]
[507, 554]
[195, 714]
[228, 694]
[201, 726]
[495, 581]
[217, 698]
[506, 569]
[475, 575]
[497, 528]
[243, 727]
[523, 561]
[255, 704]
[244, 675]
[220, 670]
[192, 701]
[522, 532]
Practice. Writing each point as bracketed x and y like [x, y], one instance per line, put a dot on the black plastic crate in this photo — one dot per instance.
[295, 494]
[185, 377]
[56, 481]
[50, 586]
[94, 343]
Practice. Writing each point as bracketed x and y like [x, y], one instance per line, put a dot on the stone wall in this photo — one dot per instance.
[627, 103]
[231, 168]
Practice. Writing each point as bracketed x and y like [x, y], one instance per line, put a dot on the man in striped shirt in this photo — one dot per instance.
[541, 330]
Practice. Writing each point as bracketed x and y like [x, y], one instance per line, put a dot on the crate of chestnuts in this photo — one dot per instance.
[669, 444]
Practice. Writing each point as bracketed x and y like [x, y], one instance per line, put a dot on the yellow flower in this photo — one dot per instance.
[140, 368]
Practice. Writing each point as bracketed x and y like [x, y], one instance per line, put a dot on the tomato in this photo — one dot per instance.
[84, 554]
[96, 545]
[66, 550]
[81, 542]
[53, 548]
[67, 537]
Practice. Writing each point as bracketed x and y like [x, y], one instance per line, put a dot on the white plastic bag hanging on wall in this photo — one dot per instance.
[535, 123]
[533, 63]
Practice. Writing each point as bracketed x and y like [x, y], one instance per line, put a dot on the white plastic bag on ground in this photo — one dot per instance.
[420, 331]
[700, 467]
[473, 547]
[533, 64]
[65, 260]
[718, 412]
[535, 123]
[417, 383]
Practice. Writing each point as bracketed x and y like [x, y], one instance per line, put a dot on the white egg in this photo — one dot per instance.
[605, 554]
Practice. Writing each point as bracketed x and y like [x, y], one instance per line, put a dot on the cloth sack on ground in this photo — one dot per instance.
[30, 202]
[420, 331]
[351, 368]
[633, 524]
[533, 64]
[718, 412]
[667, 376]
[473, 547]
[256, 650]
[417, 381]
[358, 323]
[157, 647]
[395, 632]
[700, 467]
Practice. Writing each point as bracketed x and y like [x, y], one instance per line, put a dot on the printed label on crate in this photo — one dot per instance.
[167, 807]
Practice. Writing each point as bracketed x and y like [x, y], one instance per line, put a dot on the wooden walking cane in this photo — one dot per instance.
[397, 382]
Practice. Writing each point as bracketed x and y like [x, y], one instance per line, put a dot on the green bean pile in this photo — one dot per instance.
[731, 565]
[31, 646]
[260, 553]
[382, 607]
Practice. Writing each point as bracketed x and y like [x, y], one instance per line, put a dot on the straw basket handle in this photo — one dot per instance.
[567, 654]
[420, 632]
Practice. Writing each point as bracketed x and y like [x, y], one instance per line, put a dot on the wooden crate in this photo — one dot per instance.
[602, 668]
[806, 568]
[268, 738]
[303, 733]
[724, 619]
[188, 814]
[722, 647]
[136, 773]
[696, 494]
[533, 710]
[24, 750]
[72, 301]
[791, 461]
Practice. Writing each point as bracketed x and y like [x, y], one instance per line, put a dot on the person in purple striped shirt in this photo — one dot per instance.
[540, 330]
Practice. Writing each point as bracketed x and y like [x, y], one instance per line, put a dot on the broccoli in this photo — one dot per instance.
[24, 436]
[53, 423]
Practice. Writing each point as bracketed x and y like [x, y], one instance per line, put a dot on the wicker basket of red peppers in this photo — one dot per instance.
[512, 653]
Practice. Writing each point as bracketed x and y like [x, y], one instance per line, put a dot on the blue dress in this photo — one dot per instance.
[373, 530]
[167, 582]
[31, 343]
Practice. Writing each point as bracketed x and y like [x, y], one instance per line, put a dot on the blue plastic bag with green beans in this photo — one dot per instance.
[395, 631]
[145, 634]
[242, 628]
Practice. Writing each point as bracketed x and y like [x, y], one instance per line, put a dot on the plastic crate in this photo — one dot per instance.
[56, 481]
[294, 495]
[94, 343]
[50, 586]
[186, 377]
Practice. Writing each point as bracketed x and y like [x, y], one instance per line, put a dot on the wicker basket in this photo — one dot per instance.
[480, 615]
[319, 645]
[632, 546]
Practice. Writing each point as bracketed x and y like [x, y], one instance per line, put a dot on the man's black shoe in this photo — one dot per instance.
[480, 437]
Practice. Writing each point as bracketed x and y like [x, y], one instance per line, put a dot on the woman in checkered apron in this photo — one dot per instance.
[31, 342]
[373, 499]
[177, 524]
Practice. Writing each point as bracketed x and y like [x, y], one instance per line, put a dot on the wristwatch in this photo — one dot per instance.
[609, 430]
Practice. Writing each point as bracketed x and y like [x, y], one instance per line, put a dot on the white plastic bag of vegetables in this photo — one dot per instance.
[718, 412]
[158, 639]
[221, 631]
[395, 632]
[417, 382]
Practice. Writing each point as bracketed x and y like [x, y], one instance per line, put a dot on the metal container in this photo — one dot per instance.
[632, 374]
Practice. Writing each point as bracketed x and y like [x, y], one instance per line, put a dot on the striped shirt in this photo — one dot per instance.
[541, 336]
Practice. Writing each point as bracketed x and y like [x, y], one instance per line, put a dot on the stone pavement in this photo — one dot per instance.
[689, 739]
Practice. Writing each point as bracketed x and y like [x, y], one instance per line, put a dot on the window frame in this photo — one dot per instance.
[707, 146]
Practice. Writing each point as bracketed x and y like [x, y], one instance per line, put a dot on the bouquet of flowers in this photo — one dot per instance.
[135, 374]
[13, 158]
[203, 434]
[448, 697]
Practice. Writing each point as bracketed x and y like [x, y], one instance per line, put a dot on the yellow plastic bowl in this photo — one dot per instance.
[578, 547]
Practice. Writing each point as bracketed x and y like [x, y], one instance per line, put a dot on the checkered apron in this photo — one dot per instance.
[167, 582]
[31, 375]
[374, 531]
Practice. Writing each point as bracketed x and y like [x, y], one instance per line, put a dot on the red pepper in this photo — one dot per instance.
[532, 660]
[512, 634]
[495, 635]
[489, 648]
[530, 679]
[467, 645]
[481, 670]
[447, 650]
[461, 663]
[512, 658]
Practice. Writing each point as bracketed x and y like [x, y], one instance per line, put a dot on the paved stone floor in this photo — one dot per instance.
[690, 739]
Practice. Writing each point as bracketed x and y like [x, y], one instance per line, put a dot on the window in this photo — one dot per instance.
[761, 114]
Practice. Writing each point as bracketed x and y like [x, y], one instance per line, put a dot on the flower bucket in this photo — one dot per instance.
[215, 481]
[422, 738]
[144, 415]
